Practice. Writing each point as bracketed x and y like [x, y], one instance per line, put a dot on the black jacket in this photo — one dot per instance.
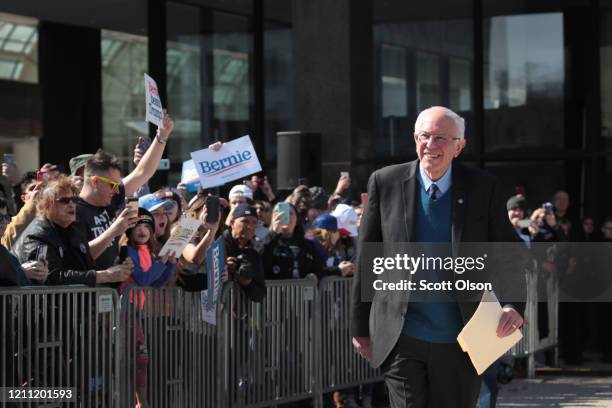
[280, 261]
[68, 254]
[479, 215]
[256, 290]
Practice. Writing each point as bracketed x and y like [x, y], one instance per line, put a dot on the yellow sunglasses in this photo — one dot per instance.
[114, 185]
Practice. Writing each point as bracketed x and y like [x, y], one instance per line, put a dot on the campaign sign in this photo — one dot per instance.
[235, 160]
[215, 264]
[155, 112]
[190, 177]
[181, 234]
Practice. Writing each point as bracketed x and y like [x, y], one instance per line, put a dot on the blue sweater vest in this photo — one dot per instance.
[436, 322]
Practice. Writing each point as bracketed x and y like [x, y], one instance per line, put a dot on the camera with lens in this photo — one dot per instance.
[548, 208]
[244, 266]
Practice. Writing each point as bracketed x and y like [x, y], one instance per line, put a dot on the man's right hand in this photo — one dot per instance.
[344, 183]
[126, 219]
[362, 345]
[117, 273]
[215, 147]
[346, 268]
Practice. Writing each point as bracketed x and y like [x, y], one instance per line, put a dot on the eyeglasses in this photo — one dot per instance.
[424, 137]
[67, 200]
[114, 185]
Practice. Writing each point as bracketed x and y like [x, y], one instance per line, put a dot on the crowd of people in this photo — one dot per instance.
[79, 228]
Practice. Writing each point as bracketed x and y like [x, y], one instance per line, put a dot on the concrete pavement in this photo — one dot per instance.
[561, 391]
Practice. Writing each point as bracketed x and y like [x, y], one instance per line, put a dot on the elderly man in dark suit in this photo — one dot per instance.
[428, 200]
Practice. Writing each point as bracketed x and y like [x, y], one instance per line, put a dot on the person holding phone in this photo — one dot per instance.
[55, 237]
[209, 214]
[100, 207]
[289, 255]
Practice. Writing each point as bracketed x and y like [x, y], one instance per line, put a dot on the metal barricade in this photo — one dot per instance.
[169, 355]
[531, 343]
[270, 346]
[344, 367]
[60, 337]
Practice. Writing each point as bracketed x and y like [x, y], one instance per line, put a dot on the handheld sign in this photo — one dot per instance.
[215, 264]
[234, 161]
[181, 235]
[155, 112]
[190, 177]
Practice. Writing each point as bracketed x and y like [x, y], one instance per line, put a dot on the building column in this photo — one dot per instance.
[333, 54]
[70, 79]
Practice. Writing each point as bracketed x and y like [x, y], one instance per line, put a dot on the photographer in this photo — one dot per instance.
[243, 263]
[544, 226]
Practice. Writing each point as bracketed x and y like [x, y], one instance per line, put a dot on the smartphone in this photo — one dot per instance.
[212, 209]
[284, 209]
[42, 176]
[123, 254]
[132, 204]
[144, 143]
[164, 164]
[41, 253]
[345, 174]
[9, 158]
[548, 208]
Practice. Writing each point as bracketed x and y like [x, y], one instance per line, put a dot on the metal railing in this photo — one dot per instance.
[531, 343]
[60, 337]
[344, 367]
[152, 345]
[169, 355]
[273, 342]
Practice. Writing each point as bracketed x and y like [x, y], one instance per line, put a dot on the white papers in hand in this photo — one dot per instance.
[479, 336]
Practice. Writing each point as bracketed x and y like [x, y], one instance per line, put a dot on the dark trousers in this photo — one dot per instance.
[420, 374]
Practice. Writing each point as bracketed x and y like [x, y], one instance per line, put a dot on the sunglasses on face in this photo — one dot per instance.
[114, 185]
[67, 200]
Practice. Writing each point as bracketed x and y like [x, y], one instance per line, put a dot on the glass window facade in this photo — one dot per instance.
[605, 52]
[124, 62]
[523, 76]
[419, 63]
[18, 48]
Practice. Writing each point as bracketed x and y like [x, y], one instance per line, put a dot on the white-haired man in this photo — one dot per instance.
[429, 200]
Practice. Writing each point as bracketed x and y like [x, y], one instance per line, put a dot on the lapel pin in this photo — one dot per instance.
[460, 200]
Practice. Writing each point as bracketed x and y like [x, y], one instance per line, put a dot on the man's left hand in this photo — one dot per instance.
[510, 321]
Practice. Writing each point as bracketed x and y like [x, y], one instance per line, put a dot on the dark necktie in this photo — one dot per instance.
[433, 192]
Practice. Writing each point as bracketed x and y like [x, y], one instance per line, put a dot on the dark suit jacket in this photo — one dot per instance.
[479, 215]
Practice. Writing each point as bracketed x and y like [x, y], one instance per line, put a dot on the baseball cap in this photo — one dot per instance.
[517, 201]
[241, 190]
[144, 217]
[77, 162]
[326, 221]
[244, 210]
[318, 198]
[347, 219]
[151, 202]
